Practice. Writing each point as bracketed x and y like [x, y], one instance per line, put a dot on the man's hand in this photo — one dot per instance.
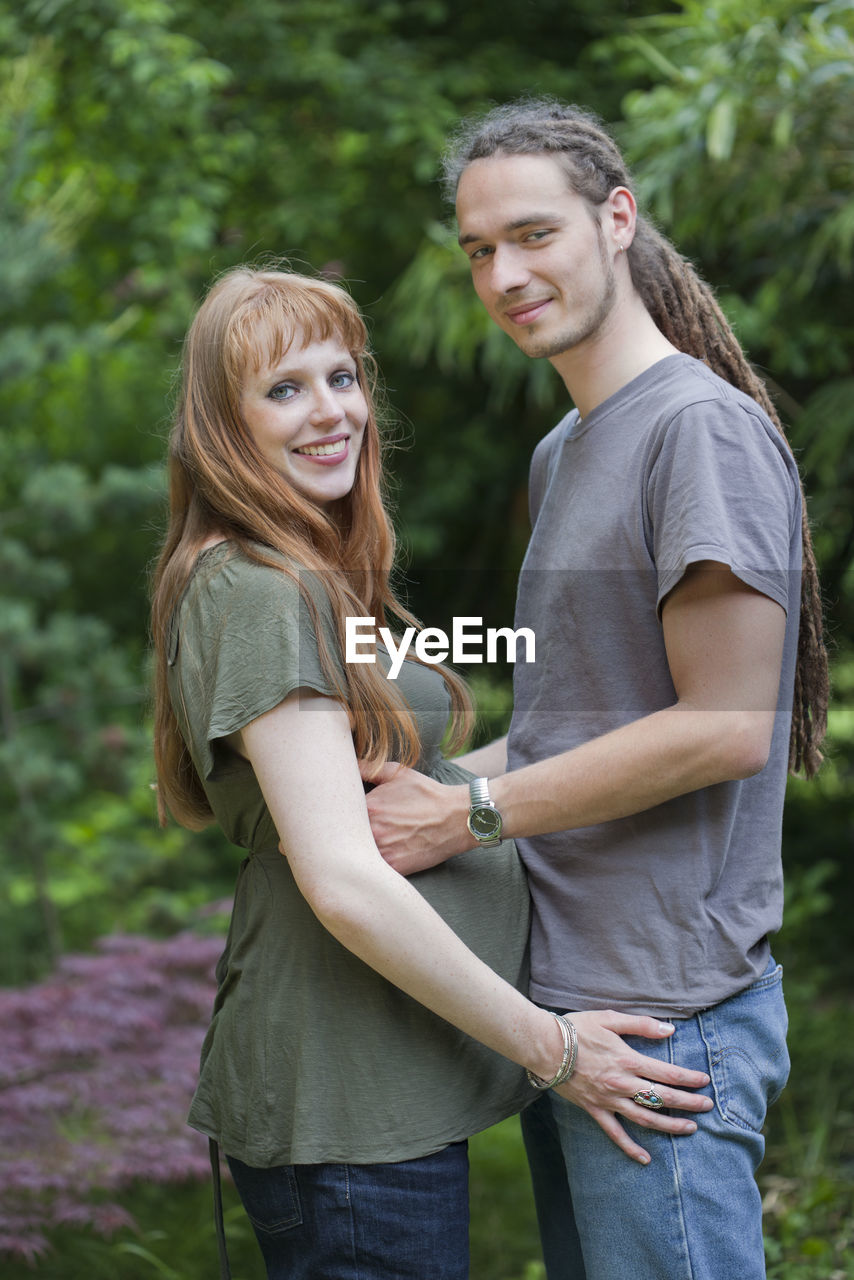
[417, 822]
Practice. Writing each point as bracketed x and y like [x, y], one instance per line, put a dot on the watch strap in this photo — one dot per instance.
[479, 792]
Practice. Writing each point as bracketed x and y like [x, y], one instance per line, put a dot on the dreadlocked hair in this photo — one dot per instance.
[685, 310]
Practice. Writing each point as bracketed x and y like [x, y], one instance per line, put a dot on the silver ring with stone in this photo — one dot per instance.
[648, 1098]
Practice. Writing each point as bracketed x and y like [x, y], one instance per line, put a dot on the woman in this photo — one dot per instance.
[365, 1024]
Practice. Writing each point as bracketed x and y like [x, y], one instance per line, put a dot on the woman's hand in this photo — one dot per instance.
[609, 1072]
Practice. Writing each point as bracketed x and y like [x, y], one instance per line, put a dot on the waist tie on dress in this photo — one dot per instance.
[224, 1268]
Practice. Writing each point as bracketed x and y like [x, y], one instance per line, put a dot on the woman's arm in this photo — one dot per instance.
[302, 753]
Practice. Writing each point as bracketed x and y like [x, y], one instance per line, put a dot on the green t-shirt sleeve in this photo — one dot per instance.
[246, 639]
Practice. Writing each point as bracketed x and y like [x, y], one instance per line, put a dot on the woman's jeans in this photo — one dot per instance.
[694, 1212]
[402, 1221]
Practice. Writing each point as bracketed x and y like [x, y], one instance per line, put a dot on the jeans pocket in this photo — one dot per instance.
[748, 1057]
[270, 1196]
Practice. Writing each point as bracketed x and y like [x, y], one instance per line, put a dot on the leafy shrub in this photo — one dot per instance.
[97, 1069]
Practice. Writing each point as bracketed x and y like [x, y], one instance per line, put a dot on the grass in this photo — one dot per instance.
[505, 1244]
[807, 1179]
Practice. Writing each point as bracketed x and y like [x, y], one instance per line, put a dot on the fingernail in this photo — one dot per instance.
[690, 1127]
[644, 1159]
[666, 1026]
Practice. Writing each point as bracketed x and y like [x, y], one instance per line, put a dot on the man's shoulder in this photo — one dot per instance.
[682, 381]
[544, 461]
[549, 446]
[688, 401]
[558, 433]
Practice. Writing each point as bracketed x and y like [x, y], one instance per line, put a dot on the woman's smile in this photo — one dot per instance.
[327, 451]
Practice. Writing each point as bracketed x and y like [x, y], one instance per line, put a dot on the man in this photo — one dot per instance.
[647, 756]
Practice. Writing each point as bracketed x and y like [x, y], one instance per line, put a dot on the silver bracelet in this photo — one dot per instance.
[570, 1053]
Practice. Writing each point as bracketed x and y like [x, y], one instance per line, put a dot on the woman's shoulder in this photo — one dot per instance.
[255, 600]
[225, 576]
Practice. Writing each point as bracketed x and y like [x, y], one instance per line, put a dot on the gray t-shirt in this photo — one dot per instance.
[665, 911]
[311, 1056]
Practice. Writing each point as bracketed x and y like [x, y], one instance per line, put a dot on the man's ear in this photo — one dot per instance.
[620, 217]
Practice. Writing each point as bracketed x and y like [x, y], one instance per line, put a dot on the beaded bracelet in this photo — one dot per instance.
[570, 1053]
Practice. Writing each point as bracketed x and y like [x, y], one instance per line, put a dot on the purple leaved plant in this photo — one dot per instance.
[97, 1067]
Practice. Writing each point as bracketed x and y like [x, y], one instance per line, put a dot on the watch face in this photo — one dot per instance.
[485, 823]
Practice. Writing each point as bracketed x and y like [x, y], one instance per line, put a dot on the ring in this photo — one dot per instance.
[648, 1098]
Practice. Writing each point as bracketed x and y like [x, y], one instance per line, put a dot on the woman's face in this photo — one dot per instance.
[307, 415]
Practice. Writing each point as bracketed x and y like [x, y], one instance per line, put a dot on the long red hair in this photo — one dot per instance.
[220, 484]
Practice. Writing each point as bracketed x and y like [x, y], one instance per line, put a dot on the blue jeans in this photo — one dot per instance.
[402, 1221]
[694, 1212]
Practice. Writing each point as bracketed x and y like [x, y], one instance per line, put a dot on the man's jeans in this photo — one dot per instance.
[403, 1221]
[694, 1212]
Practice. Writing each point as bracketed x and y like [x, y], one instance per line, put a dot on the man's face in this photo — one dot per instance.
[540, 261]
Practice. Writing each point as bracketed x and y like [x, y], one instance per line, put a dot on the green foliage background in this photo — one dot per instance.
[147, 146]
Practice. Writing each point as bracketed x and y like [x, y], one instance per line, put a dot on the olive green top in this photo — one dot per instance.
[311, 1056]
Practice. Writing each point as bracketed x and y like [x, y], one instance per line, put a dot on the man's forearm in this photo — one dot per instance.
[640, 765]
[724, 645]
[418, 822]
[488, 761]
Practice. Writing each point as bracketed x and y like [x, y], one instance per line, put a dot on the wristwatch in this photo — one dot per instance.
[484, 820]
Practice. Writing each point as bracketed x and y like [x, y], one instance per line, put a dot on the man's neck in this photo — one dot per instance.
[628, 344]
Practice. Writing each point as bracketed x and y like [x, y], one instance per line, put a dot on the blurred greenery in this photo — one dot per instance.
[147, 146]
